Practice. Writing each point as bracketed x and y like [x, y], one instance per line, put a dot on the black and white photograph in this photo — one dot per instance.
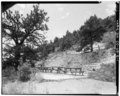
[59, 48]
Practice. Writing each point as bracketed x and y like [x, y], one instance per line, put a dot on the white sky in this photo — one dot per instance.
[70, 17]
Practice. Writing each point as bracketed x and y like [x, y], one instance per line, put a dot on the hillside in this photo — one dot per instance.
[73, 59]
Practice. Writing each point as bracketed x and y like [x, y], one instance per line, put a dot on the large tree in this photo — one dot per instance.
[23, 30]
[91, 32]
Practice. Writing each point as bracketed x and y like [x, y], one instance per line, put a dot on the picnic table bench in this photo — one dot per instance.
[64, 70]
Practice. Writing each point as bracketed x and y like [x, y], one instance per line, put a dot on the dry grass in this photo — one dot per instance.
[19, 87]
[81, 86]
[107, 72]
[9, 75]
[66, 59]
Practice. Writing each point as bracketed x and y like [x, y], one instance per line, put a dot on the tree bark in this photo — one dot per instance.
[17, 56]
[16, 65]
[91, 46]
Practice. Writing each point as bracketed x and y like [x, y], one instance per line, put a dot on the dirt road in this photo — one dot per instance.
[60, 84]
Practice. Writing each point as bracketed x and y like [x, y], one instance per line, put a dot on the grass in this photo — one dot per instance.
[107, 72]
[9, 75]
[20, 87]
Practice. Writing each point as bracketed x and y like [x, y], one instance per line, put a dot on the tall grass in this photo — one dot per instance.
[27, 80]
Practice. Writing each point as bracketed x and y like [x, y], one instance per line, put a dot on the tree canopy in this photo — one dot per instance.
[24, 30]
[91, 32]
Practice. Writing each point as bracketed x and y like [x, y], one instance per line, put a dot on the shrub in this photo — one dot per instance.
[8, 74]
[8, 71]
[112, 51]
[38, 77]
[107, 72]
[110, 39]
[24, 73]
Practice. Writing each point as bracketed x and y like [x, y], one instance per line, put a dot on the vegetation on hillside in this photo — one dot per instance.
[92, 31]
[107, 72]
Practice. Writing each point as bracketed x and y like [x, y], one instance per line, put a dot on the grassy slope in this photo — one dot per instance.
[75, 59]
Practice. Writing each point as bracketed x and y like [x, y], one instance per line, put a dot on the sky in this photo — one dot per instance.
[70, 17]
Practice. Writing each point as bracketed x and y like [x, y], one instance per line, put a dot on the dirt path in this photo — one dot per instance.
[54, 76]
[82, 86]
[60, 84]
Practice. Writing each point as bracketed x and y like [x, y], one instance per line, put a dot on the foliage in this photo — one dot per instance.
[91, 32]
[109, 39]
[23, 30]
[43, 52]
[110, 23]
[8, 62]
[66, 42]
[8, 74]
[29, 53]
[56, 42]
[107, 72]
[24, 73]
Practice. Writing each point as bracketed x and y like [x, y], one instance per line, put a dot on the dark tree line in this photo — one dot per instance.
[92, 31]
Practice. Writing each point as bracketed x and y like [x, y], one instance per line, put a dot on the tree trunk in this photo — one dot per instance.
[16, 65]
[17, 56]
[91, 46]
